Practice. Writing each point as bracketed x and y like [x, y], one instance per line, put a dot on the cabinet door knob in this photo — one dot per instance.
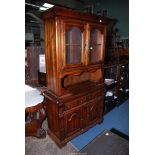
[91, 48]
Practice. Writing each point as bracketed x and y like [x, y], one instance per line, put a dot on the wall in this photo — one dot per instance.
[118, 9]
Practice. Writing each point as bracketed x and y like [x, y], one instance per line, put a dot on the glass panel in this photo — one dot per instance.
[73, 46]
[95, 46]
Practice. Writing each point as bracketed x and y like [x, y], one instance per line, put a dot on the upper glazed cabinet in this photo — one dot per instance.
[75, 47]
[83, 43]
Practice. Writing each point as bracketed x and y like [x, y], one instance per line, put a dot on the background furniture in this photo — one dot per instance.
[34, 113]
[111, 86]
[116, 81]
[74, 49]
[32, 64]
[42, 78]
[116, 68]
[42, 70]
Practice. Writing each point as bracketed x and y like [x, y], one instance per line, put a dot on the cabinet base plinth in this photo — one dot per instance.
[62, 143]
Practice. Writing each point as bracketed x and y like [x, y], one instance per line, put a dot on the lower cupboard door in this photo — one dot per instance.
[95, 111]
[73, 122]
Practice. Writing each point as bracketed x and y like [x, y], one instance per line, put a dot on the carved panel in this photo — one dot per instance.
[73, 122]
[95, 111]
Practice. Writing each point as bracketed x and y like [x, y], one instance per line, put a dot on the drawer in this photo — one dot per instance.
[83, 100]
[75, 103]
[94, 95]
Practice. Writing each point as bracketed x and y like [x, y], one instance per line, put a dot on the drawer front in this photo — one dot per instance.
[83, 100]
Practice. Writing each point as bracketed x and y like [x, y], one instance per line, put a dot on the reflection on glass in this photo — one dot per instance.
[73, 46]
[95, 46]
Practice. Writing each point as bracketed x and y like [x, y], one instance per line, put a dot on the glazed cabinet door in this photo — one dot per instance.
[96, 44]
[73, 44]
[73, 122]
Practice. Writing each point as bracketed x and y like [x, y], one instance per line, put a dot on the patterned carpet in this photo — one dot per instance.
[46, 146]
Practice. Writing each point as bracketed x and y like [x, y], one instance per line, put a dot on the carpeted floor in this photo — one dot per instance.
[46, 146]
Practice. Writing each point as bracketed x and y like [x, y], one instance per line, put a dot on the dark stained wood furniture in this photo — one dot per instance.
[42, 70]
[74, 52]
[42, 78]
[118, 73]
[34, 113]
[33, 124]
[118, 70]
[32, 64]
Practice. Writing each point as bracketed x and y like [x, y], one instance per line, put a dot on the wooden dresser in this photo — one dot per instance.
[74, 52]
